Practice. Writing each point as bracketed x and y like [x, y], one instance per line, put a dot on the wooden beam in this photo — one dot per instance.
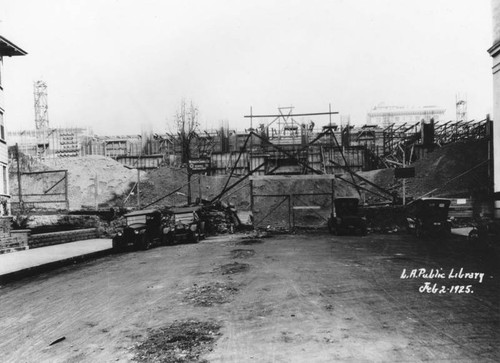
[293, 115]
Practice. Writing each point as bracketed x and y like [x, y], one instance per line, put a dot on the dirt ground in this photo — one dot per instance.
[287, 298]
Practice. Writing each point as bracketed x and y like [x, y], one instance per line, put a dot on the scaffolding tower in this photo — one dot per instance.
[461, 107]
[41, 105]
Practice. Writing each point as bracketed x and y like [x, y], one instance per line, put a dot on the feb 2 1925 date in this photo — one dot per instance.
[452, 274]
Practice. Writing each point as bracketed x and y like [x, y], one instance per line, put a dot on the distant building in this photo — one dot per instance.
[7, 49]
[385, 116]
[50, 142]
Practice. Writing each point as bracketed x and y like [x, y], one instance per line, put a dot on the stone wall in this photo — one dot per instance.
[11, 241]
[55, 238]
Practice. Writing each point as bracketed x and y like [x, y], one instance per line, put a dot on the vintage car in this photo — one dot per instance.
[429, 217]
[485, 232]
[346, 219]
[184, 224]
[143, 230]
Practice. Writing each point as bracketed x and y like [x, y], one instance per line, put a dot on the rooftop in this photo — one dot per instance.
[7, 48]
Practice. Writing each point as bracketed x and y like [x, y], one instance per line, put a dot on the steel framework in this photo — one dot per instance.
[41, 105]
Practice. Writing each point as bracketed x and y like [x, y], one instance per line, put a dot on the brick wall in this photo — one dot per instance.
[55, 238]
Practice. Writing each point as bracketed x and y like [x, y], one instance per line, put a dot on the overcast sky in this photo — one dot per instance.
[113, 65]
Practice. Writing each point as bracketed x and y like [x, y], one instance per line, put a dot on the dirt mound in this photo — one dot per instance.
[211, 294]
[438, 168]
[159, 182]
[438, 171]
[112, 179]
[165, 180]
[181, 342]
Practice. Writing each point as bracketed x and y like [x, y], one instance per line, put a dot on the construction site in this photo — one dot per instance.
[302, 235]
[284, 173]
[267, 196]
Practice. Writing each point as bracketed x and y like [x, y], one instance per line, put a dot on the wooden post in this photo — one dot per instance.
[96, 191]
[66, 189]
[189, 185]
[333, 195]
[251, 195]
[199, 188]
[404, 179]
[20, 193]
[138, 188]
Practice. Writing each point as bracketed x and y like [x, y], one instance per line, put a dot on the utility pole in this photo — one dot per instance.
[189, 184]
[404, 179]
[199, 188]
[138, 188]
[96, 192]
[20, 193]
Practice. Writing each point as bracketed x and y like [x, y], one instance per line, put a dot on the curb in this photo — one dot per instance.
[35, 270]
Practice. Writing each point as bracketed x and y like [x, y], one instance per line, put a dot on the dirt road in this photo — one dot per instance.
[288, 298]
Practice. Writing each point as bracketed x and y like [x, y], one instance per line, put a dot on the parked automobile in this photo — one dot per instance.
[429, 217]
[345, 218]
[143, 230]
[485, 233]
[184, 224]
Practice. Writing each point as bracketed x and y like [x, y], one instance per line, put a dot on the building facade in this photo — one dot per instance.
[386, 116]
[7, 49]
[495, 54]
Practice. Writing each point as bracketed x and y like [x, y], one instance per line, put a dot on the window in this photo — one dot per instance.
[4, 174]
[141, 219]
[2, 128]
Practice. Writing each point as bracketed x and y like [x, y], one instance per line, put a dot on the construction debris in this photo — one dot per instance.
[210, 294]
[220, 218]
[182, 342]
[242, 253]
[57, 341]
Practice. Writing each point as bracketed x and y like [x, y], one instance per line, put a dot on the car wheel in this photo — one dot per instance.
[473, 235]
[166, 239]
[145, 243]
[418, 231]
[329, 225]
[117, 247]
[195, 237]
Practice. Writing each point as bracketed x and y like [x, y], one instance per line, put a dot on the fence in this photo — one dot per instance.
[43, 189]
[307, 202]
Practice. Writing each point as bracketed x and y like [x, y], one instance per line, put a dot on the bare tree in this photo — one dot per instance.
[187, 124]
